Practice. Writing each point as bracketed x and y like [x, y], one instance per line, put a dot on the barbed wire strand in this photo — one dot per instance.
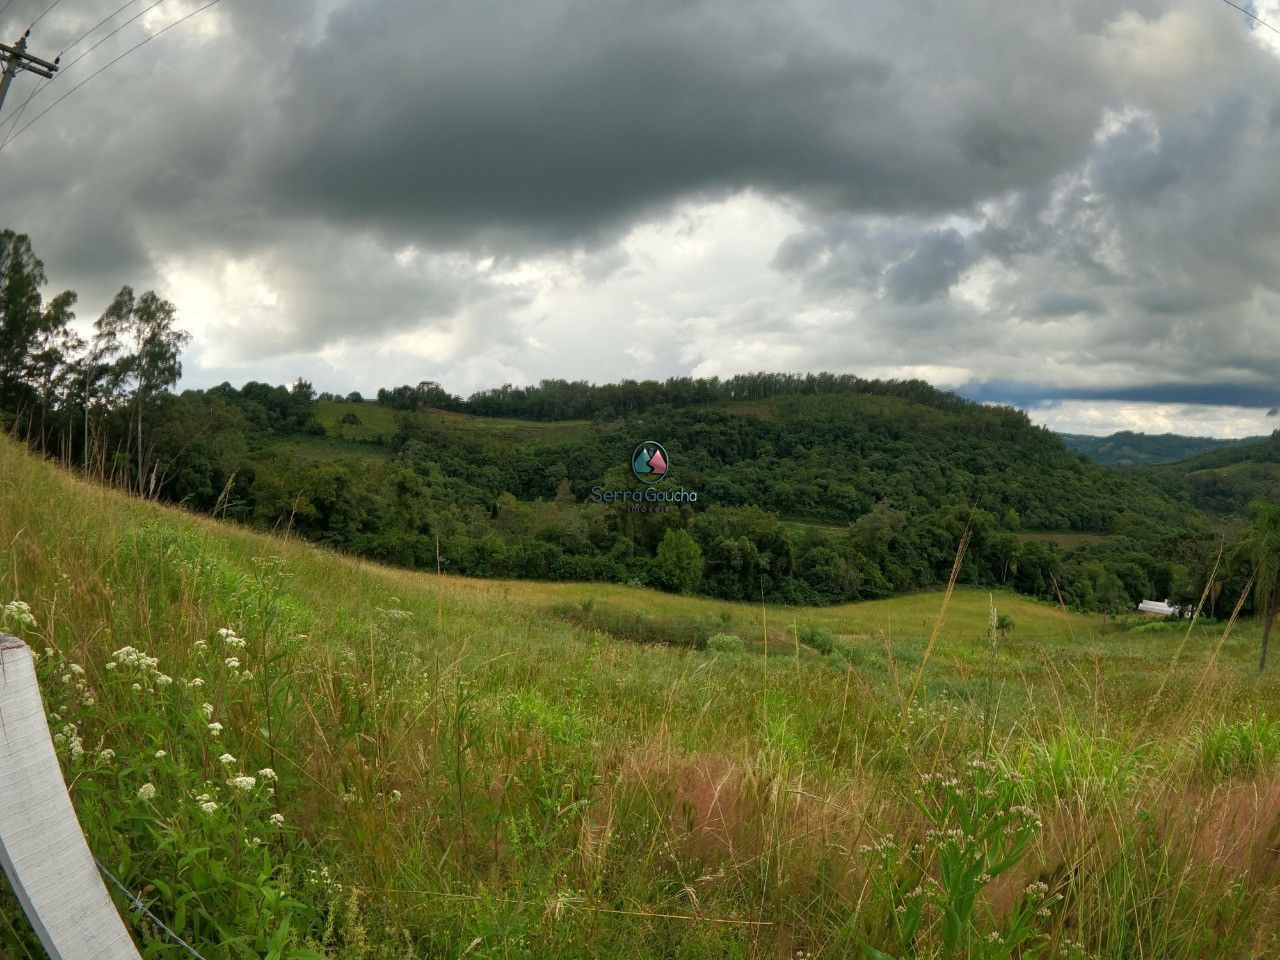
[137, 904]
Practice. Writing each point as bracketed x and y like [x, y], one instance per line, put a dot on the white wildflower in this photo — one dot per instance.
[215, 728]
[209, 806]
[107, 755]
[277, 820]
[147, 791]
[226, 759]
[208, 711]
[160, 754]
[232, 663]
[244, 783]
[266, 773]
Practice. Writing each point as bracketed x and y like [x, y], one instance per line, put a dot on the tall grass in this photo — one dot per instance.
[399, 765]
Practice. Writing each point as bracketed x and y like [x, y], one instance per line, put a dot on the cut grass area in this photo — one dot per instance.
[375, 420]
[536, 432]
[329, 449]
[464, 768]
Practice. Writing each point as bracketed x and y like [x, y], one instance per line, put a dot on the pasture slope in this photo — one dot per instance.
[290, 753]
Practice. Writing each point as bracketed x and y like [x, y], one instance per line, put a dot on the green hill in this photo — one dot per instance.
[1129, 449]
[808, 490]
[1225, 480]
[327, 758]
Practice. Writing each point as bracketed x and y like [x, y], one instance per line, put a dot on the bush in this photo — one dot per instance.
[816, 638]
[724, 643]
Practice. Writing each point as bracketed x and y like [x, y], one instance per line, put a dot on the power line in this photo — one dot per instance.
[137, 16]
[13, 124]
[111, 16]
[107, 66]
[47, 11]
[5, 7]
[1252, 16]
[15, 60]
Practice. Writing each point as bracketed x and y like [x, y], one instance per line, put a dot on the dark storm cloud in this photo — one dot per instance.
[1082, 193]
[1061, 303]
[565, 119]
[931, 270]
[1027, 395]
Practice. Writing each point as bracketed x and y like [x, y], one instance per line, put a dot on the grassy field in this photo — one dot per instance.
[328, 758]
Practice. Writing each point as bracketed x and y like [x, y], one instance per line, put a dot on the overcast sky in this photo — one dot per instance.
[1073, 207]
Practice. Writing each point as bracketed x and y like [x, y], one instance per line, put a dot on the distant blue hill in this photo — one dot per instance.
[1129, 449]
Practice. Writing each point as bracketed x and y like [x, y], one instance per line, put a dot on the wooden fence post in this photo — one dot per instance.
[42, 847]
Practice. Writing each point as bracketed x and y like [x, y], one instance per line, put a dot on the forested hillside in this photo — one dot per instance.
[810, 488]
[1227, 479]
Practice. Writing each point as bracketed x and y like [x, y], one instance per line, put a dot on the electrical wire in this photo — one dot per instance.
[137, 16]
[17, 115]
[1252, 16]
[47, 11]
[111, 16]
[108, 65]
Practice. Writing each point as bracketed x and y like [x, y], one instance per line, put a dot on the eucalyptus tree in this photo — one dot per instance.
[51, 357]
[27, 325]
[21, 311]
[140, 333]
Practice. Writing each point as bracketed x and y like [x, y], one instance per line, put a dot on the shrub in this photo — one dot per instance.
[816, 638]
[724, 643]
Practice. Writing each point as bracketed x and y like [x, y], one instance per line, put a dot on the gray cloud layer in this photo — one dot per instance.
[1079, 196]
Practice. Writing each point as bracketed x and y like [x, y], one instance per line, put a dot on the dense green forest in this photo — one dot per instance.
[811, 488]
[1129, 449]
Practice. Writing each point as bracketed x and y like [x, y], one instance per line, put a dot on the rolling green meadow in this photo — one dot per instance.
[288, 752]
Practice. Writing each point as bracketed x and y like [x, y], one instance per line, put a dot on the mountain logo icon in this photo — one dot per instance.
[649, 461]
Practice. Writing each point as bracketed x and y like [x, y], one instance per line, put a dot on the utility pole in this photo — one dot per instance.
[16, 58]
